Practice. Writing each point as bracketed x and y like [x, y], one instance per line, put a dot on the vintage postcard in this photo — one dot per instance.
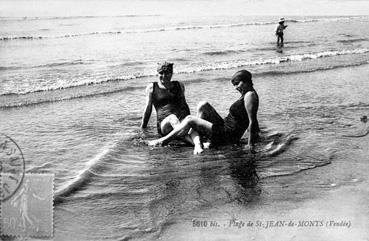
[184, 120]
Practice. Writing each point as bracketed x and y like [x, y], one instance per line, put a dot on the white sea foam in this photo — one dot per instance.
[83, 177]
[226, 65]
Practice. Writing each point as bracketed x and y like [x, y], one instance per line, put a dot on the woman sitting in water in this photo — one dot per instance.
[168, 99]
[208, 123]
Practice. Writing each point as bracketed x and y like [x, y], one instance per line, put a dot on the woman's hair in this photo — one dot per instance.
[165, 67]
[242, 75]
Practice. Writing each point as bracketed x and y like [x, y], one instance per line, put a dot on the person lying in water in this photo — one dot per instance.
[209, 124]
[168, 99]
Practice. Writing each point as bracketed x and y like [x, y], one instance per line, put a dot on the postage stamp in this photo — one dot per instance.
[12, 163]
[29, 212]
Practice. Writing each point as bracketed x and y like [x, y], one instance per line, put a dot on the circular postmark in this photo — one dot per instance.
[12, 167]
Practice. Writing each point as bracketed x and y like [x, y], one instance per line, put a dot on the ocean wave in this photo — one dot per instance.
[273, 61]
[348, 41]
[226, 65]
[325, 19]
[74, 62]
[130, 63]
[83, 177]
[281, 72]
[164, 29]
[83, 94]
[225, 52]
[25, 18]
[9, 67]
[9, 38]
[76, 84]
[51, 65]
[306, 56]
[355, 106]
[45, 99]
[21, 38]
[346, 35]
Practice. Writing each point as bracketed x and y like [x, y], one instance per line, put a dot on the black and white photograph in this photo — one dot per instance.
[184, 120]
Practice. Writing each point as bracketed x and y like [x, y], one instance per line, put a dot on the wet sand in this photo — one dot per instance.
[326, 203]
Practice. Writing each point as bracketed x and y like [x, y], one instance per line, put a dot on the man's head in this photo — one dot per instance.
[281, 20]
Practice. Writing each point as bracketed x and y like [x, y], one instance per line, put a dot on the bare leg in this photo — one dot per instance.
[281, 40]
[202, 124]
[207, 112]
[169, 123]
[193, 137]
[197, 124]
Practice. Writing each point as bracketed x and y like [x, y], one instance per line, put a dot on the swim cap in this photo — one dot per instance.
[242, 75]
[165, 67]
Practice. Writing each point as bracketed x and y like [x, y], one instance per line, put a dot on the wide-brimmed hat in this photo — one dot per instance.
[164, 67]
[281, 20]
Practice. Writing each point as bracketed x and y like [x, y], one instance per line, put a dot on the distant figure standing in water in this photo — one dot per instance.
[209, 124]
[168, 98]
[279, 32]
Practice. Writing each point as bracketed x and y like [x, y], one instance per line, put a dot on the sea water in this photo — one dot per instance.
[72, 96]
[48, 53]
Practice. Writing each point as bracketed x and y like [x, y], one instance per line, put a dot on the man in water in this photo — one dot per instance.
[279, 32]
[169, 101]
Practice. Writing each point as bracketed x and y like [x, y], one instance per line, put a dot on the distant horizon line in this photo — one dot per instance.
[153, 15]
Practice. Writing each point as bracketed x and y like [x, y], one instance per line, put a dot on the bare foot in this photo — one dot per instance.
[197, 150]
[206, 145]
[154, 143]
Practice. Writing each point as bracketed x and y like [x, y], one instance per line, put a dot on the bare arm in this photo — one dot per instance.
[148, 108]
[252, 104]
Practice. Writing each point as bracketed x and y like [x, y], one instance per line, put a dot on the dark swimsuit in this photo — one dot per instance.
[169, 101]
[233, 126]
